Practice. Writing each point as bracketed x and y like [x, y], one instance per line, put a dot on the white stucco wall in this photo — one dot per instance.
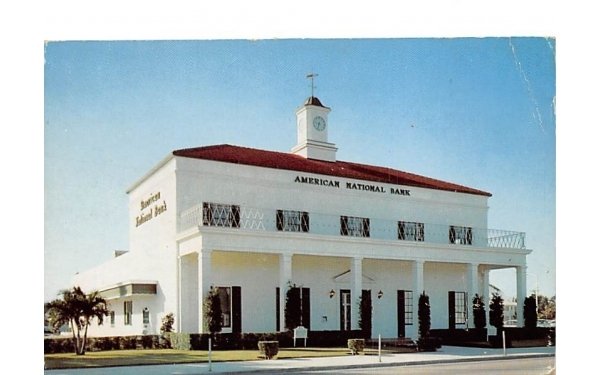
[163, 248]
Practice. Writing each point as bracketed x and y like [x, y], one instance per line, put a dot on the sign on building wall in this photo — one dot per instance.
[351, 185]
[150, 208]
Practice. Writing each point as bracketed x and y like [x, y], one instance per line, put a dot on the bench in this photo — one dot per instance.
[300, 333]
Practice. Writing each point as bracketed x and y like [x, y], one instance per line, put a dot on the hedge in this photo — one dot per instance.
[94, 344]
[199, 341]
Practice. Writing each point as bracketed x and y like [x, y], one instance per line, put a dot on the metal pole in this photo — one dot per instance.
[504, 342]
[379, 347]
[209, 354]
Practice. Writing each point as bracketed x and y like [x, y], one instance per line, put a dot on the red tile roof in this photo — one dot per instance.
[280, 160]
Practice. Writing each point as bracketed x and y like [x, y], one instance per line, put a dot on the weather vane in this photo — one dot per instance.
[312, 76]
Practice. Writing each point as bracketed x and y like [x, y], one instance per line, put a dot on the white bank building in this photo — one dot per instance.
[252, 222]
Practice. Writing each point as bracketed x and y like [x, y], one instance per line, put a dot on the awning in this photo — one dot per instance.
[129, 288]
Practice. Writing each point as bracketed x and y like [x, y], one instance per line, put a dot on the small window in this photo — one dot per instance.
[127, 312]
[354, 226]
[292, 221]
[112, 318]
[146, 316]
[220, 215]
[460, 235]
[411, 231]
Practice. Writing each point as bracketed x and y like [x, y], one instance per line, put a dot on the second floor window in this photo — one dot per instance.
[220, 215]
[460, 235]
[292, 221]
[410, 231]
[354, 226]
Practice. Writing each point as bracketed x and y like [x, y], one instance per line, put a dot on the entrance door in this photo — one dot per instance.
[401, 318]
[405, 311]
[457, 309]
[451, 310]
[345, 310]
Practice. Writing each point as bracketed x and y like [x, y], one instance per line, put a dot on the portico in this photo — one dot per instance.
[323, 273]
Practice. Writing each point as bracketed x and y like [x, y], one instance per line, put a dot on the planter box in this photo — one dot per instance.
[268, 349]
[356, 345]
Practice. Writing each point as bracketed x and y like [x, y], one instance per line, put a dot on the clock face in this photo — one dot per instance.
[319, 123]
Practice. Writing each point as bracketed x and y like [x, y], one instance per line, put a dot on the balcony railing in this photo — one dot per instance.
[258, 219]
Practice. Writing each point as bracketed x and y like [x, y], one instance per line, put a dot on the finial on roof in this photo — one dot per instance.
[312, 99]
[312, 76]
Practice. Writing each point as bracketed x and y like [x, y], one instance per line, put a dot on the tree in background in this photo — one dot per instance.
[497, 311]
[547, 307]
[78, 310]
[530, 312]
[478, 312]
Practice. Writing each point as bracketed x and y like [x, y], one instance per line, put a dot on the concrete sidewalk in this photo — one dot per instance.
[446, 354]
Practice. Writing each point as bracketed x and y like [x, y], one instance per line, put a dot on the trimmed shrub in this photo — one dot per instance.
[365, 313]
[212, 311]
[268, 349]
[424, 315]
[497, 311]
[478, 312]
[356, 346]
[293, 307]
[530, 312]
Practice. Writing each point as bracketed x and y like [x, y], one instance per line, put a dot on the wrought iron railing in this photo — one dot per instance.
[259, 219]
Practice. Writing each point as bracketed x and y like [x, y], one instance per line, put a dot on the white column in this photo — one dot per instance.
[178, 320]
[204, 283]
[473, 285]
[285, 277]
[418, 288]
[486, 295]
[521, 293]
[356, 290]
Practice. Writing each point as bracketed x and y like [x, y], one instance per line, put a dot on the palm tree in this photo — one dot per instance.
[78, 310]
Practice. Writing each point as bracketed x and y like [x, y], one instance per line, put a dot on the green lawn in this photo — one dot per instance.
[168, 356]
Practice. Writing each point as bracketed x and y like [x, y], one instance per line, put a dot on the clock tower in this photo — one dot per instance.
[311, 120]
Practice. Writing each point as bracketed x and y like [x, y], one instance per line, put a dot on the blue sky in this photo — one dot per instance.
[475, 111]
